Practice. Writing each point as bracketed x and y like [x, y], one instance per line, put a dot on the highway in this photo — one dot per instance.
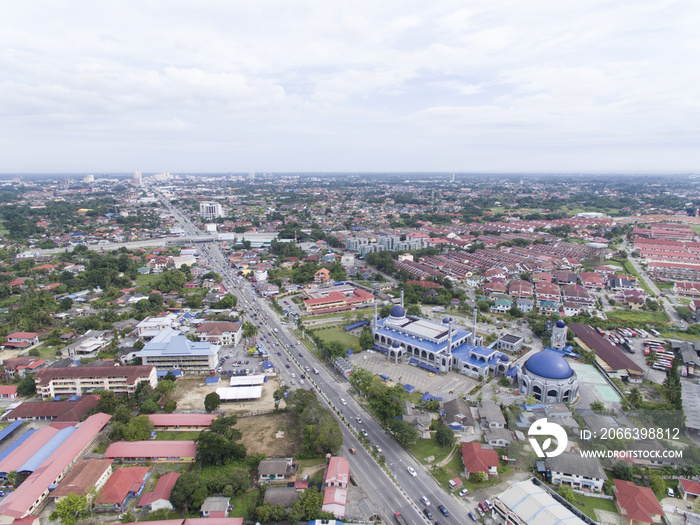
[386, 496]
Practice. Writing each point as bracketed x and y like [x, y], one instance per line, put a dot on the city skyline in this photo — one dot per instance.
[446, 87]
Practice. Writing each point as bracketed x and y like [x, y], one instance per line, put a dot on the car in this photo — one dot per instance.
[293, 374]
[463, 492]
[364, 432]
[488, 504]
[425, 501]
[670, 492]
[292, 382]
[301, 381]
[483, 506]
[412, 471]
[352, 450]
[302, 376]
[428, 513]
[279, 353]
[343, 402]
[359, 420]
[301, 355]
[444, 510]
[472, 516]
[378, 449]
[481, 512]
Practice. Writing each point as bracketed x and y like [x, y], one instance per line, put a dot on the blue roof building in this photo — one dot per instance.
[170, 350]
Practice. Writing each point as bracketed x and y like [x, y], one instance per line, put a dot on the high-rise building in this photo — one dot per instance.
[210, 210]
[138, 180]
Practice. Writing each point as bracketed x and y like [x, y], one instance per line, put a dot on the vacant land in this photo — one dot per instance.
[191, 391]
[350, 342]
[272, 434]
[637, 316]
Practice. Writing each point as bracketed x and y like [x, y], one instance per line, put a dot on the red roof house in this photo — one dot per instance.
[124, 482]
[478, 459]
[689, 489]
[160, 497]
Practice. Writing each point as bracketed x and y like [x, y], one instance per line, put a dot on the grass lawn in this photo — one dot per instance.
[146, 280]
[680, 335]
[179, 435]
[244, 505]
[637, 316]
[664, 285]
[338, 334]
[424, 448]
[313, 462]
[588, 505]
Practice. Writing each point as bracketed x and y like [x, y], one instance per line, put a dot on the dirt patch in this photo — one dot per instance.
[650, 394]
[260, 434]
[191, 391]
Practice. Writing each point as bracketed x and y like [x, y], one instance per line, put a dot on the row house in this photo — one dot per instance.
[575, 293]
[563, 277]
[493, 287]
[592, 280]
[520, 288]
[545, 291]
[687, 288]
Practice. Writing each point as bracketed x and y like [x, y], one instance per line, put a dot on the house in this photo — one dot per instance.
[8, 391]
[458, 416]
[498, 437]
[282, 495]
[124, 484]
[215, 507]
[21, 340]
[490, 415]
[637, 505]
[525, 305]
[159, 498]
[322, 276]
[220, 332]
[576, 471]
[510, 343]
[336, 479]
[688, 489]
[276, 469]
[86, 475]
[501, 306]
[476, 458]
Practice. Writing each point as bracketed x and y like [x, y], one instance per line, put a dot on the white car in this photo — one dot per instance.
[412, 471]
[364, 432]
[425, 501]
[343, 402]
[301, 381]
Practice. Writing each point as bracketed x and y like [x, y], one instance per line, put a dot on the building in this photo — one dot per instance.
[436, 347]
[170, 350]
[159, 498]
[336, 299]
[490, 415]
[608, 356]
[8, 391]
[86, 475]
[510, 343]
[637, 505]
[152, 326]
[124, 484]
[526, 503]
[152, 450]
[60, 411]
[181, 421]
[688, 489]
[549, 378]
[476, 458]
[276, 469]
[335, 484]
[21, 340]
[222, 333]
[215, 507]
[88, 344]
[56, 382]
[559, 335]
[458, 416]
[577, 472]
[210, 210]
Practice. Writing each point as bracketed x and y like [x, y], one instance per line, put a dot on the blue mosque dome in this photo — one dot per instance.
[561, 324]
[549, 364]
[446, 320]
[397, 311]
[396, 344]
[503, 358]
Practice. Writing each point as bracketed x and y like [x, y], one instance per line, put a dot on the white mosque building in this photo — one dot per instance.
[435, 346]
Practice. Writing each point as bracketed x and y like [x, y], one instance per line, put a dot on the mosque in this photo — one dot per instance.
[436, 346]
[547, 375]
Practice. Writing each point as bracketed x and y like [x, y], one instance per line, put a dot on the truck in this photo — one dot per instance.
[400, 518]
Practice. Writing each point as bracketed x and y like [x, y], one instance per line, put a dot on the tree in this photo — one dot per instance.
[444, 436]
[366, 339]
[170, 406]
[26, 387]
[623, 471]
[404, 433]
[414, 309]
[635, 397]
[361, 379]
[136, 429]
[70, 509]
[213, 449]
[188, 493]
[212, 401]
[149, 407]
[278, 395]
[567, 493]
[477, 477]
[657, 484]
[598, 406]
[239, 481]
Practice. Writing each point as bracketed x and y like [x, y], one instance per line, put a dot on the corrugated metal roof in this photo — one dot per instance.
[152, 449]
[200, 420]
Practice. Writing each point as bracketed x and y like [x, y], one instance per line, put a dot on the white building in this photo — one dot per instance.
[526, 503]
[577, 472]
[170, 350]
[210, 210]
[152, 326]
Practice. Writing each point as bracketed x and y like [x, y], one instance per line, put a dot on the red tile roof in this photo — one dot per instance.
[478, 459]
[169, 420]
[122, 481]
[82, 478]
[690, 486]
[152, 449]
[162, 489]
[56, 410]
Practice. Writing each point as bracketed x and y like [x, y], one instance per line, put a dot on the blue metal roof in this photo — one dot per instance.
[428, 397]
[16, 443]
[428, 367]
[409, 388]
[9, 430]
[355, 325]
[45, 451]
[267, 364]
[211, 380]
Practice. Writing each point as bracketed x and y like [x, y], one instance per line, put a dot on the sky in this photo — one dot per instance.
[324, 86]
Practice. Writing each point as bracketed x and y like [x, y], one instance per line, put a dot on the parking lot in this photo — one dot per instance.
[447, 386]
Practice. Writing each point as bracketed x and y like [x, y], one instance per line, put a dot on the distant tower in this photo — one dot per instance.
[596, 253]
[449, 337]
[452, 178]
[138, 179]
[474, 334]
[559, 335]
[89, 178]
[402, 306]
[374, 317]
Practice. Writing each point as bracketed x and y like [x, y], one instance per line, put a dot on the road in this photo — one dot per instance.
[405, 495]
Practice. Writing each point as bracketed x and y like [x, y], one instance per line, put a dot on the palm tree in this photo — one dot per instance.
[249, 330]
[635, 397]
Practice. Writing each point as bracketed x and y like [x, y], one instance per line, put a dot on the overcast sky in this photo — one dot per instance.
[431, 85]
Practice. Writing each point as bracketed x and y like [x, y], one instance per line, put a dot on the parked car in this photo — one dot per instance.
[472, 516]
[463, 493]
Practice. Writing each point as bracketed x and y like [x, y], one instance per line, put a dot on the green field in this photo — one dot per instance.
[338, 334]
[588, 505]
[177, 435]
[146, 280]
[424, 448]
[244, 505]
[637, 316]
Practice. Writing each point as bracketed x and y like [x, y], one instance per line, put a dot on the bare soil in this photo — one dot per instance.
[191, 391]
[272, 434]
[650, 394]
